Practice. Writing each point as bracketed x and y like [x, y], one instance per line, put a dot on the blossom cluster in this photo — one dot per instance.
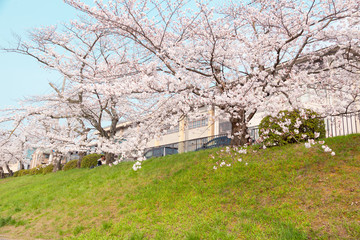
[324, 147]
[228, 156]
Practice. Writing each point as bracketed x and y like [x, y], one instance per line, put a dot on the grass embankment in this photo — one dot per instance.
[283, 193]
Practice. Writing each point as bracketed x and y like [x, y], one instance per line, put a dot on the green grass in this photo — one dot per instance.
[283, 193]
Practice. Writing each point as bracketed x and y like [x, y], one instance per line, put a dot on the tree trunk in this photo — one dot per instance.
[2, 175]
[109, 157]
[21, 166]
[239, 130]
[57, 163]
[81, 156]
[9, 170]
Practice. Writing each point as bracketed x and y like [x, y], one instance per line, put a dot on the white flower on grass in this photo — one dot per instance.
[264, 147]
[321, 142]
[327, 149]
[222, 164]
[316, 134]
[296, 131]
[214, 167]
[229, 165]
[307, 145]
[303, 136]
[227, 149]
[240, 160]
[242, 151]
[246, 164]
[332, 153]
[136, 166]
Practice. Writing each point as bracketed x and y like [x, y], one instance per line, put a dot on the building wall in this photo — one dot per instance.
[13, 167]
[165, 139]
[41, 157]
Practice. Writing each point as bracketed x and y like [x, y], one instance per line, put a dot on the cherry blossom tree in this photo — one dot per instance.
[148, 64]
[13, 146]
[32, 130]
[91, 94]
[243, 58]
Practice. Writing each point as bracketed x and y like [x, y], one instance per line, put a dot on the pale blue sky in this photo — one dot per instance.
[20, 75]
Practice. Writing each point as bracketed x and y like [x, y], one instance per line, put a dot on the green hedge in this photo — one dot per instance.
[21, 173]
[70, 165]
[35, 171]
[90, 160]
[48, 169]
[273, 134]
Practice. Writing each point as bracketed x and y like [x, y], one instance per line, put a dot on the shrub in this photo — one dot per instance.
[24, 172]
[35, 171]
[48, 169]
[70, 165]
[16, 174]
[290, 127]
[90, 160]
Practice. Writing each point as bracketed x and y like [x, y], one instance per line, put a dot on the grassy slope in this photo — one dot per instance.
[283, 193]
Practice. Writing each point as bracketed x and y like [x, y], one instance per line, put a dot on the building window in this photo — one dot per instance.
[198, 123]
[173, 130]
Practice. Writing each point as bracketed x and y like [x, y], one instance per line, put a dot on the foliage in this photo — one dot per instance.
[23, 172]
[16, 174]
[291, 127]
[36, 170]
[48, 169]
[70, 165]
[90, 160]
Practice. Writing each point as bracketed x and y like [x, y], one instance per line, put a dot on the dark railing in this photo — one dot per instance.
[189, 145]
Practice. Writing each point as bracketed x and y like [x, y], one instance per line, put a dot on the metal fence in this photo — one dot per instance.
[335, 126]
[342, 125]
